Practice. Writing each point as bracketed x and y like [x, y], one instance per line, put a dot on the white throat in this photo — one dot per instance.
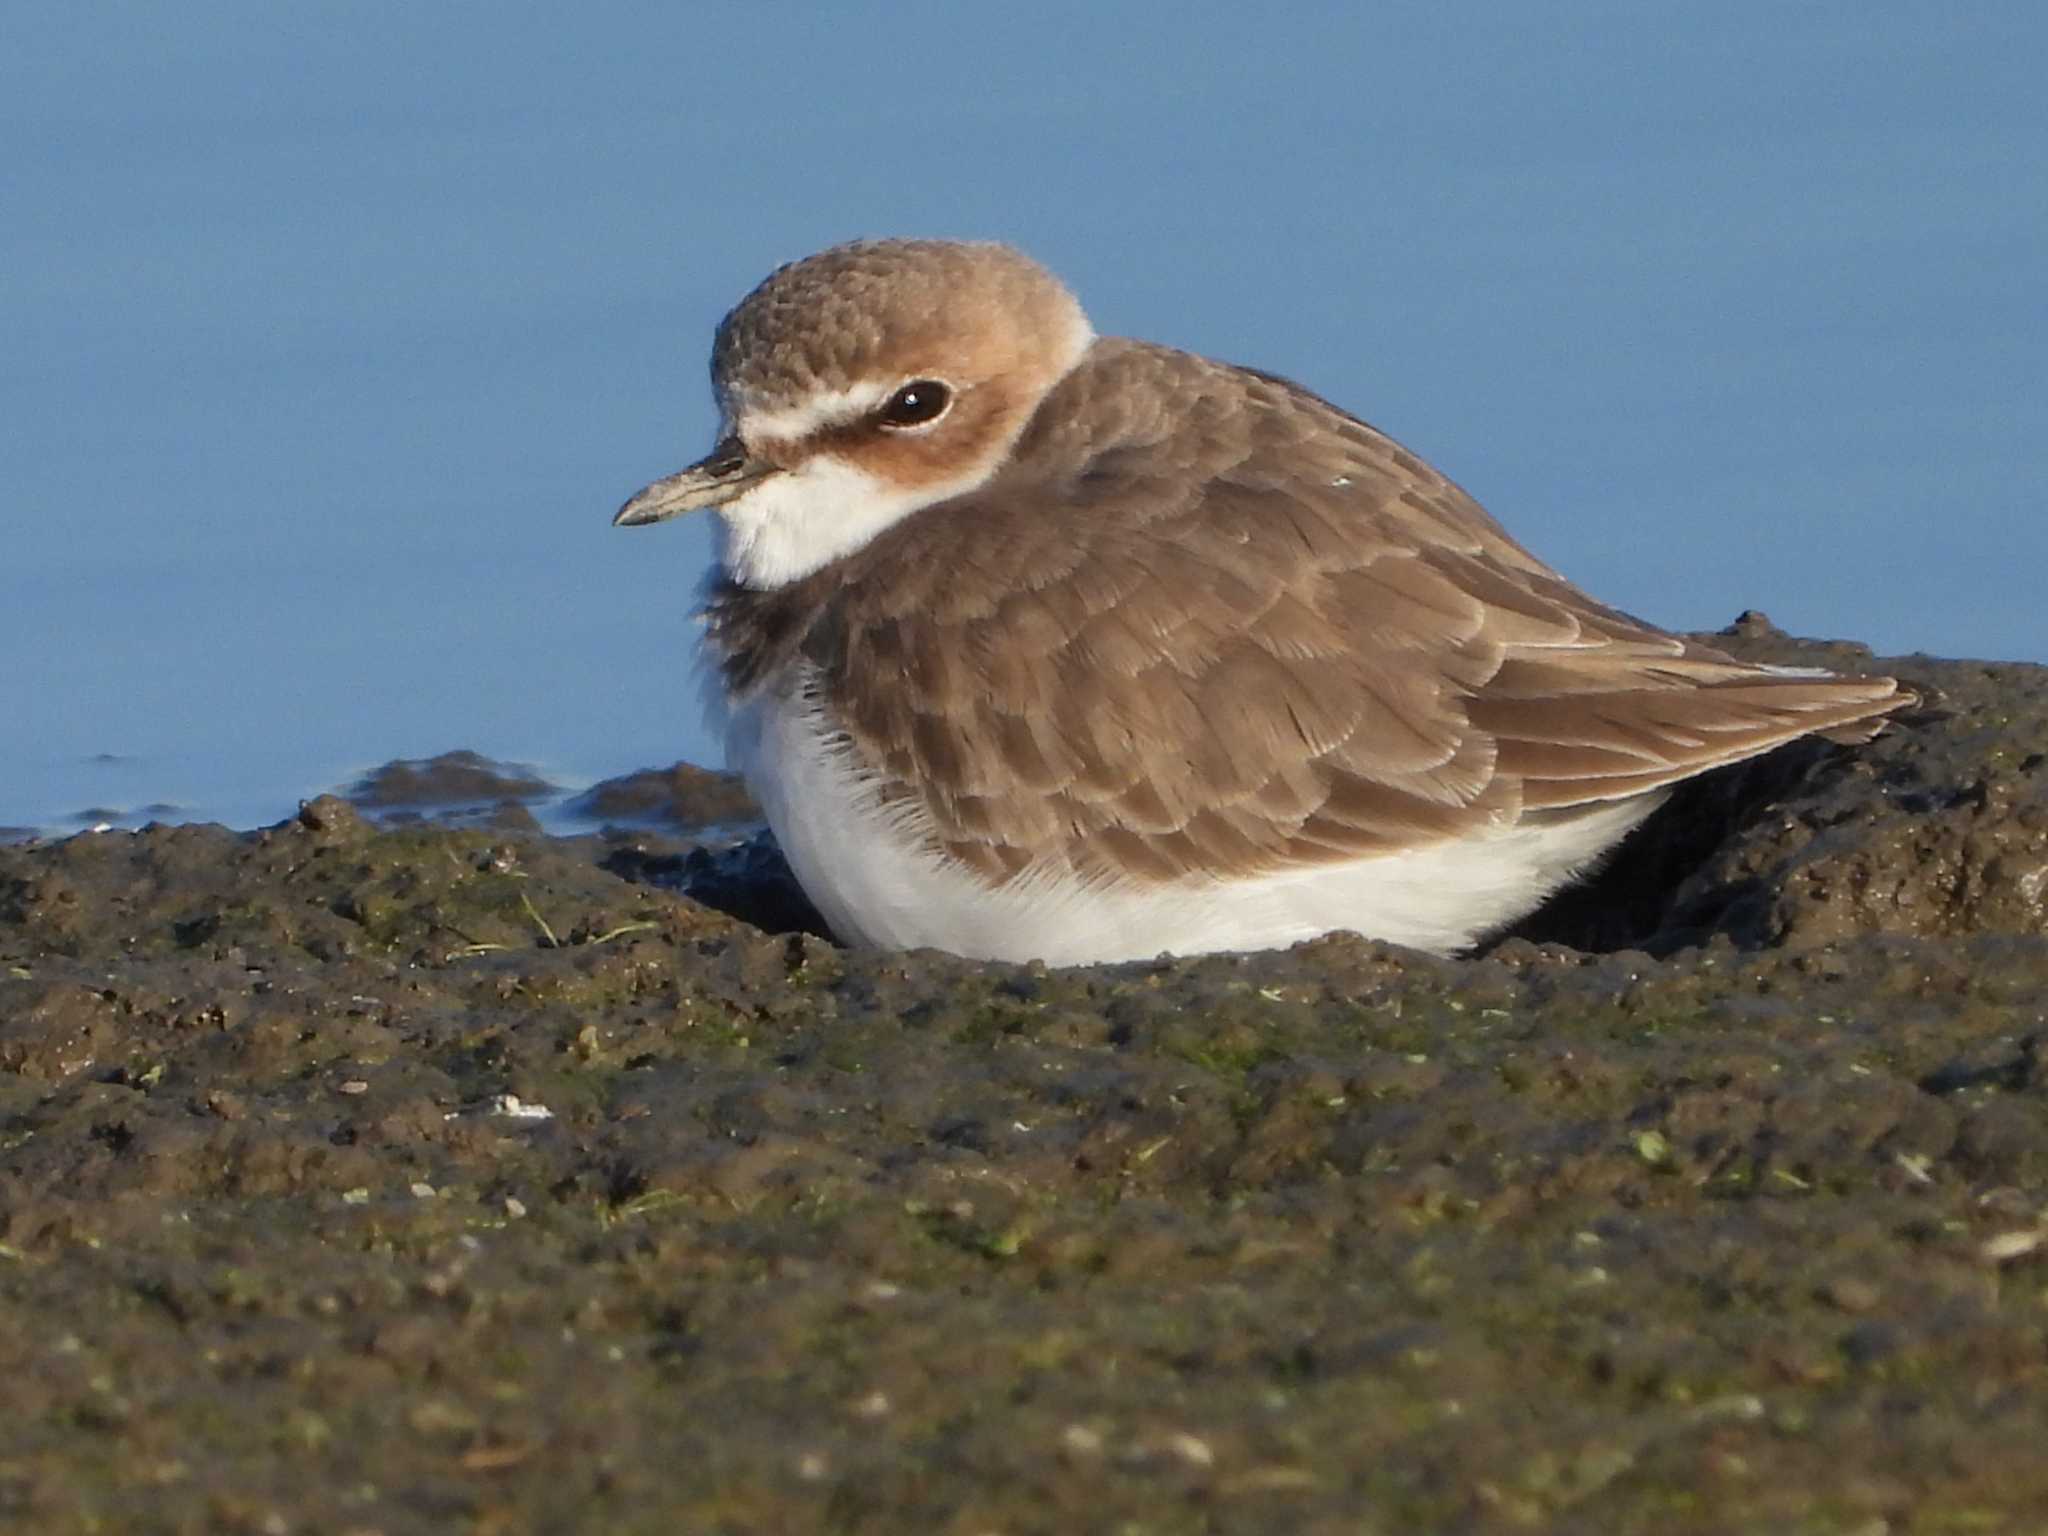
[803, 519]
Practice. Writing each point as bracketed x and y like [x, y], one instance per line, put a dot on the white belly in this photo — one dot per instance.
[873, 882]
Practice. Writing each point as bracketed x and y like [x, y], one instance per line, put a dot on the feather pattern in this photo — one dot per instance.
[1202, 624]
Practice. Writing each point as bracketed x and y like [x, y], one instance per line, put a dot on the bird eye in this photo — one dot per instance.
[915, 404]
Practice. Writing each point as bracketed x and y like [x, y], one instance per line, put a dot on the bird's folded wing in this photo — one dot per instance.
[1247, 636]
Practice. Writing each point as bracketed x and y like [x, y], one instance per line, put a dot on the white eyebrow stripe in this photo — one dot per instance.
[825, 408]
[1799, 671]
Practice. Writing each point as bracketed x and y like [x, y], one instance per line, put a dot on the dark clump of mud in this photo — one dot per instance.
[452, 779]
[453, 1178]
[684, 798]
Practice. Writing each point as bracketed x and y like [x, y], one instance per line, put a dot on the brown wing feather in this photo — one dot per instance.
[1206, 621]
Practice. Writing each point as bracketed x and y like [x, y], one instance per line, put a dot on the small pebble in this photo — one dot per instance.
[2008, 1246]
[1851, 1293]
[1081, 1440]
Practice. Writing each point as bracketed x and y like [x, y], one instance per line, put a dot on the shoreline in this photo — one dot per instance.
[394, 1177]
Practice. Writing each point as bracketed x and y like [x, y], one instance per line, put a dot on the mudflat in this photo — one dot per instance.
[359, 1177]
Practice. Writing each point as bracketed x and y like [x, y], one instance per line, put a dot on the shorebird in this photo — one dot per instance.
[1038, 644]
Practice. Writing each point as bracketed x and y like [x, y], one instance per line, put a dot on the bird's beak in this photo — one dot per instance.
[720, 476]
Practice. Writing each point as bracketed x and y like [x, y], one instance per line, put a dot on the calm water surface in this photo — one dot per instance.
[333, 334]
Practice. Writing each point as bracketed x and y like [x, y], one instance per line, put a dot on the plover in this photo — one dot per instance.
[1038, 644]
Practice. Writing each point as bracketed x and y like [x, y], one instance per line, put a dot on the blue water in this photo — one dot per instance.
[331, 334]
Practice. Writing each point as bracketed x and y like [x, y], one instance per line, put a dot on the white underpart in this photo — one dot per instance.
[878, 887]
[792, 523]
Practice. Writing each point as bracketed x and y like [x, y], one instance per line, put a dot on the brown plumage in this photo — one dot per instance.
[1201, 620]
[1036, 643]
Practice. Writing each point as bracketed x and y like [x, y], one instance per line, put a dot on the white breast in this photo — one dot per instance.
[871, 879]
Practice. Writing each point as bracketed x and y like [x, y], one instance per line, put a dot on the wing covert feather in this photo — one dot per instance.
[1204, 621]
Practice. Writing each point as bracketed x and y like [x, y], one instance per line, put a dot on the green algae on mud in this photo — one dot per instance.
[432, 1178]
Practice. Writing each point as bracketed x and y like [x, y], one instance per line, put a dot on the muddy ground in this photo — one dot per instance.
[443, 1176]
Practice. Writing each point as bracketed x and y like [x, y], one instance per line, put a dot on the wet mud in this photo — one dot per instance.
[454, 783]
[682, 798]
[441, 1175]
